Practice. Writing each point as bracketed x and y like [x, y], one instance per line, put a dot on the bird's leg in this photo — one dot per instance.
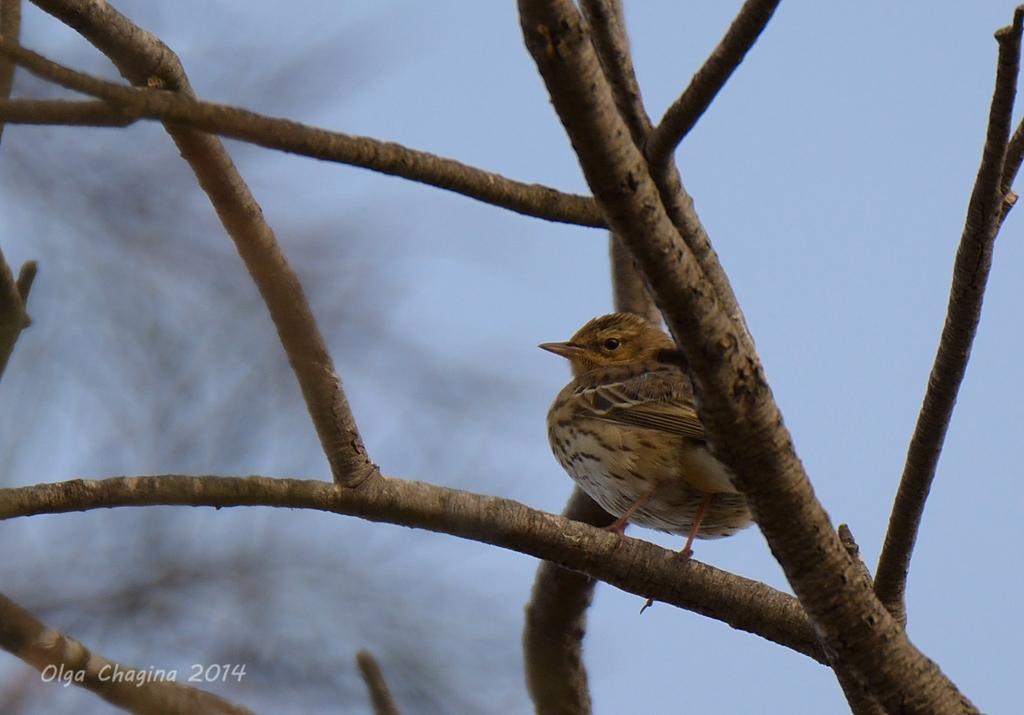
[687, 552]
[619, 525]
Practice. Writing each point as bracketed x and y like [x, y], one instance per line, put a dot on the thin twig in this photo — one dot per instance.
[13, 311]
[143, 59]
[850, 544]
[26, 277]
[10, 30]
[858, 697]
[970, 274]
[1011, 165]
[630, 564]
[628, 288]
[126, 104]
[380, 695]
[680, 118]
[1013, 159]
[63, 660]
[744, 423]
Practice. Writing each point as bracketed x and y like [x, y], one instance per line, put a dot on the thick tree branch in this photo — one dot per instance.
[76, 113]
[142, 59]
[64, 660]
[611, 45]
[632, 565]
[556, 621]
[970, 275]
[736, 403]
[608, 32]
[10, 30]
[126, 104]
[380, 695]
[680, 118]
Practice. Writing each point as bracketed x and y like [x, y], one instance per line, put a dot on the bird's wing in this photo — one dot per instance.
[655, 401]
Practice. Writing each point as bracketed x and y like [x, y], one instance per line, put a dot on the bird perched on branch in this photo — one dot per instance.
[626, 430]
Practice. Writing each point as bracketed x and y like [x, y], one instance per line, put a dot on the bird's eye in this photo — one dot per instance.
[611, 344]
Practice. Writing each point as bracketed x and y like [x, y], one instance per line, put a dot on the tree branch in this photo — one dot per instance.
[13, 293]
[626, 563]
[680, 118]
[858, 697]
[26, 277]
[1012, 160]
[380, 695]
[10, 30]
[607, 24]
[970, 275]
[611, 43]
[1011, 165]
[13, 306]
[556, 615]
[91, 113]
[125, 105]
[65, 660]
[628, 287]
[743, 422]
[143, 59]
[556, 621]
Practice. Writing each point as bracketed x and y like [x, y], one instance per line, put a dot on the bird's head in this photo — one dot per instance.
[613, 339]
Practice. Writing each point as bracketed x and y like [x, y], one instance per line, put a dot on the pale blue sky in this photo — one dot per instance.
[832, 174]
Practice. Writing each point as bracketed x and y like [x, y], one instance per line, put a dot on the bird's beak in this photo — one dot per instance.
[566, 350]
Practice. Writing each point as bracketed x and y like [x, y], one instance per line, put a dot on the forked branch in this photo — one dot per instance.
[13, 306]
[607, 24]
[10, 30]
[736, 403]
[705, 85]
[143, 59]
[125, 105]
[970, 275]
[63, 660]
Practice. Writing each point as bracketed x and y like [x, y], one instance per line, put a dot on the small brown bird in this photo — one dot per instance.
[625, 429]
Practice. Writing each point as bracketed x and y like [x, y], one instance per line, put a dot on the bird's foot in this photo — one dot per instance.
[618, 526]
